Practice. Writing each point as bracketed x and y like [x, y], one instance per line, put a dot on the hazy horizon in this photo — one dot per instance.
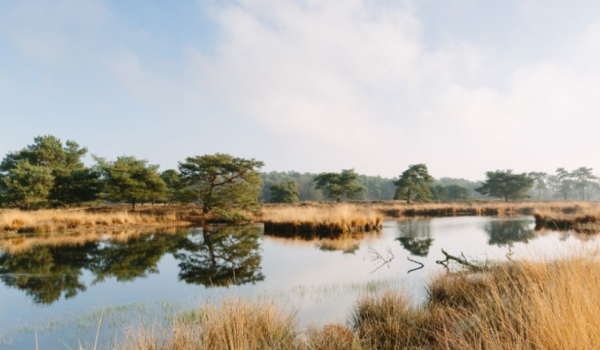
[464, 86]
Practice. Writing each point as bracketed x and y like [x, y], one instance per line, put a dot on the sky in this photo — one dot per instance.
[464, 86]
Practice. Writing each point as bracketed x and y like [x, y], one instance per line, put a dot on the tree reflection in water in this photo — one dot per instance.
[221, 256]
[506, 232]
[415, 236]
[45, 273]
[211, 257]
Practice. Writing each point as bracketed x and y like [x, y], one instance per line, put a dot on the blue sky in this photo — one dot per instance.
[464, 86]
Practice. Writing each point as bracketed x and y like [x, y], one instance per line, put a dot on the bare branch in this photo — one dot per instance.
[378, 257]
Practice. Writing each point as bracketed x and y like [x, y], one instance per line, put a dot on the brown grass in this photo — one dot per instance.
[480, 208]
[516, 305]
[327, 218]
[580, 218]
[324, 220]
[62, 220]
[232, 325]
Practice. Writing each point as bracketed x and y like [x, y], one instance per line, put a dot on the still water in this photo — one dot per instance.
[57, 289]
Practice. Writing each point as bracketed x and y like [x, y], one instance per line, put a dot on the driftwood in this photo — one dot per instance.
[416, 262]
[462, 260]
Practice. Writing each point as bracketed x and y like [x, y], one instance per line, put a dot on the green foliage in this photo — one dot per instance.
[178, 191]
[414, 183]
[130, 180]
[304, 183]
[377, 188]
[223, 182]
[583, 177]
[450, 193]
[339, 186]
[458, 193]
[439, 192]
[505, 184]
[81, 186]
[464, 183]
[566, 185]
[539, 180]
[72, 183]
[284, 192]
[26, 186]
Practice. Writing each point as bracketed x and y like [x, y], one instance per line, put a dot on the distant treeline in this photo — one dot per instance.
[377, 188]
[50, 173]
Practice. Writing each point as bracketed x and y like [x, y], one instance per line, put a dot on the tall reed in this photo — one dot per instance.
[325, 220]
[515, 305]
[59, 220]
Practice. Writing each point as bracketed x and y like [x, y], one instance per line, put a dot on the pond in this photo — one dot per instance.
[57, 290]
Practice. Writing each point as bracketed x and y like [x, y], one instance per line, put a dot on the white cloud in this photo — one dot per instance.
[356, 84]
[352, 76]
[357, 76]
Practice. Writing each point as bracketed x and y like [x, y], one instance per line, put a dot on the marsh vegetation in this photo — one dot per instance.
[514, 305]
[131, 231]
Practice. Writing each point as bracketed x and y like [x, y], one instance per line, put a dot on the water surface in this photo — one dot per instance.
[58, 289]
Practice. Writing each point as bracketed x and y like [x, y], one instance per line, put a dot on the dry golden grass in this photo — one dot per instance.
[330, 219]
[584, 218]
[62, 220]
[232, 325]
[310, 217]
[480, 208]
[516, 305]
[525, 305]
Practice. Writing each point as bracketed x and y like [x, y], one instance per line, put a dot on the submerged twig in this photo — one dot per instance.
[416, 262]
[510, 253]
[377, 257]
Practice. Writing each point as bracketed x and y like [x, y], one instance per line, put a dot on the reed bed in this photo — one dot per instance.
[516, 305]
[62, 220]
[480, 208]
[232, 325]
[323, 220]
[582, 219]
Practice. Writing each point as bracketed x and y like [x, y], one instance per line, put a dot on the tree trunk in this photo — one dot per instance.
[133, 204]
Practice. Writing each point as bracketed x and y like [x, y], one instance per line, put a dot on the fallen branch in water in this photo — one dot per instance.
[416, 262]
[462, 260]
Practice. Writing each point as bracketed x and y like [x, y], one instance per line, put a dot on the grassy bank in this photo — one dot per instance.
[60, 220]
[583, 219]
[516, 305]
[325, 220]
[480, 208]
